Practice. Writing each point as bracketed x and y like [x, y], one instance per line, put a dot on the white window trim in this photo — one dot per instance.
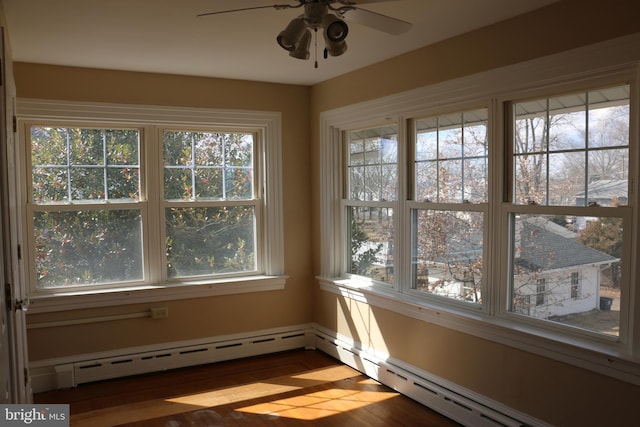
[611, 60]
[266, 123]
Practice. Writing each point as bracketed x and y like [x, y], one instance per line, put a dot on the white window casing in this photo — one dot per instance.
[614, 62]
[266, 126]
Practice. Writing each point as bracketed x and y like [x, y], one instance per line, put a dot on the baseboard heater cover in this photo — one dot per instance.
[49, 376]
[459, 405]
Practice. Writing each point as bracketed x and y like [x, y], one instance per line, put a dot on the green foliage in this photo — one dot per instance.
[604, 235]
[206, 241]
[76, 164]
[99, 243]
[87, 247]
[203, 166]
[361, 260]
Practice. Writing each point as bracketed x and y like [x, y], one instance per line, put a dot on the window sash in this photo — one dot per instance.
[267, 262]
[405, 278]
[586, 68]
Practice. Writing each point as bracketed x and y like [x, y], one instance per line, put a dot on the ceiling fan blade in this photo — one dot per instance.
[359, 2]
[273, 6]
[378, 21]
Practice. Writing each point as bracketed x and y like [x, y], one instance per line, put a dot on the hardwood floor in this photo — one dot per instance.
[294, 388]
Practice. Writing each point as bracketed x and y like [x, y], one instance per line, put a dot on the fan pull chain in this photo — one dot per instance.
[316, 46]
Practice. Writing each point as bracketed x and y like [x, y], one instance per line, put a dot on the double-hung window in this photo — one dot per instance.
[85, 205]
[187, 198]
[567, 206]
[211, 208]
[507, 206]
[449, 204]
[372, 195]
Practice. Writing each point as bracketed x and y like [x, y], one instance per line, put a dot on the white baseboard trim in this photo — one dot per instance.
[69, 372]
[462, 405]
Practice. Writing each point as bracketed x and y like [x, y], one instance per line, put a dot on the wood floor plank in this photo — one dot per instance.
[295, 388]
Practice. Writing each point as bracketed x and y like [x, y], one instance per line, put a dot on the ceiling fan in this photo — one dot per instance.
[329, 16]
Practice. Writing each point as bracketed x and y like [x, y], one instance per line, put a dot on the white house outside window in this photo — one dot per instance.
[514, 215]
[450, 193]
[570, 158]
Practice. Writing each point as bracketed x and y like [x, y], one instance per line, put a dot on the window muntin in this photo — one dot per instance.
[208, 230]
[208, 165]
[85, 189]
[571, 167]
[451, 189]
[572, 150]
[596, 67]
[97, 224]
[72, 165]
[372, 193]
[372, 164]
[451, 154]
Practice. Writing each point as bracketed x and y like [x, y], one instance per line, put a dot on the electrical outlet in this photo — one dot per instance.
[159, 312]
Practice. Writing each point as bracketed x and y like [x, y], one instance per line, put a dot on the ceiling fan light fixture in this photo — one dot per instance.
[336, 48]
[335, 29]
[290, 37]
[302, 50]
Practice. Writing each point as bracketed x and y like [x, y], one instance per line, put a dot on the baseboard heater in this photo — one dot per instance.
[450, 400]
[48, 376]
[460, 405]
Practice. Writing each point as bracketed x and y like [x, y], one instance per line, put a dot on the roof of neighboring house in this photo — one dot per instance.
[609, 189]
[545, 245]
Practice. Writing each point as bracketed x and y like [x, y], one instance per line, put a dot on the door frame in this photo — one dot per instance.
[12, 268]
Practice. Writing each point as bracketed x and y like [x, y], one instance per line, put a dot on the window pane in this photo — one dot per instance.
[371, 242]
[208, 241]
[447, 254]
[426, 181]
[49, 146]
[123, 183]
[178, 183]
[50, 184]
[208, 165]
[86, 146]
[81, 164]
[567, 147]
[567, 270]
[87, 183]
[87, 247]
[451, 158]
[208, 182]
[372, 164]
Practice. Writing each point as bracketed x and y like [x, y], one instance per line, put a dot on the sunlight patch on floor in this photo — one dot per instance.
[313, 406]
[273, 386]
[306, 407]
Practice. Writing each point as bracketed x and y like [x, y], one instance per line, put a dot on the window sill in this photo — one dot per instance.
[576, 351]
[63, 301]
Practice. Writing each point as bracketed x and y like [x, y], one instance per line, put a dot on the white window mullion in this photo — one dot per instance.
[496, 236]
[266, 202]
[150, 157]
[403, 260]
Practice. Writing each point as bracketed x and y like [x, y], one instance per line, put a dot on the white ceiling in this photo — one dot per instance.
[164, 36]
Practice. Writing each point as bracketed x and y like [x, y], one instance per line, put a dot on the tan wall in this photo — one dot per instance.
[552, 391]
[549, 390]
[203, 317]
